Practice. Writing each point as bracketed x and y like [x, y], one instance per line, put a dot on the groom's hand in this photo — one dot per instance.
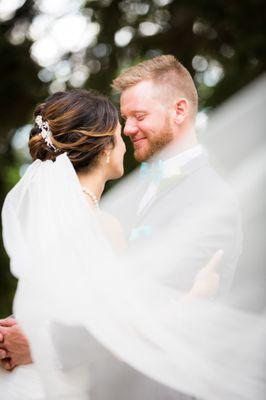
[14, 346]
[206, 283]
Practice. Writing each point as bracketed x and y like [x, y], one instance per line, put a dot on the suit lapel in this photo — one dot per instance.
[169, 184]
[164, 187]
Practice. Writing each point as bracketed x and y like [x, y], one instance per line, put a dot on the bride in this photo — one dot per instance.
[77, 280]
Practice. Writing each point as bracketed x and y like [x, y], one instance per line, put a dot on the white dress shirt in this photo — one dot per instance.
[170, 167]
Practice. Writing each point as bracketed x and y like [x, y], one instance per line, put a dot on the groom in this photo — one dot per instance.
[178, 193]
[159, 106]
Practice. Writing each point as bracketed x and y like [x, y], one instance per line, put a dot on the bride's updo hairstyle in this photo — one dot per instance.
[79, 122]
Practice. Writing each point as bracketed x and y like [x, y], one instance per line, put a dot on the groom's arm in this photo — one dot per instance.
[14, 346]
[199, 238]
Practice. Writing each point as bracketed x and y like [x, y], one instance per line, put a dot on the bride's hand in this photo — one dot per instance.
[206, 283]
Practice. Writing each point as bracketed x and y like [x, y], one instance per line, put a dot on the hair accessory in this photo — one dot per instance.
[45, 131]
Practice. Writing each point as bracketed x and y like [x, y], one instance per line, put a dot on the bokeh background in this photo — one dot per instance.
[51, 45]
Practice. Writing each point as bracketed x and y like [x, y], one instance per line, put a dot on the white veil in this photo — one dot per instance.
[68, 273]
[72, 285]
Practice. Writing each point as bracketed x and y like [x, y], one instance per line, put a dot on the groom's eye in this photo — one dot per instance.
[140, 117]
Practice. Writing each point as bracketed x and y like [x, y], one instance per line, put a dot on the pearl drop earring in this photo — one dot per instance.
[108, 158]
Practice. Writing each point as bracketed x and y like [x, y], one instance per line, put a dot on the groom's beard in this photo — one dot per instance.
[155, 143]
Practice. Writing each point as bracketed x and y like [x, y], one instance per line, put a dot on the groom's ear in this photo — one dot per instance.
[181, 110]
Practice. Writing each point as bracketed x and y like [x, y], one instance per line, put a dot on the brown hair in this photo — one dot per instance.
[82, 124]
[165, 69]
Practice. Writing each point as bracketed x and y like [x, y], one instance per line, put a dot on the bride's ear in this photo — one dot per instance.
[106, 156]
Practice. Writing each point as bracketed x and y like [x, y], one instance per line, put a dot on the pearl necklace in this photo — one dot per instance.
[92, 196]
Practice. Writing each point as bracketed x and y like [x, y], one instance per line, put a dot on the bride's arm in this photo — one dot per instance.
[113, 231]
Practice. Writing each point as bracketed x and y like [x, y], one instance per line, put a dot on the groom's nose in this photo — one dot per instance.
[130, 128]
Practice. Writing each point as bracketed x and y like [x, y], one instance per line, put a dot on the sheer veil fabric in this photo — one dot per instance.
[72, 286]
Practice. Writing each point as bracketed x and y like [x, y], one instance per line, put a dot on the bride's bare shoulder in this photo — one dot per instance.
[113, 230]
[110, 220]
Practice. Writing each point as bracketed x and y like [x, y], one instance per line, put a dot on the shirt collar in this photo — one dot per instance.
[172, 165]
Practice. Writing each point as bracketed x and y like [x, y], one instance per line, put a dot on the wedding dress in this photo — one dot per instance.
[73, 288]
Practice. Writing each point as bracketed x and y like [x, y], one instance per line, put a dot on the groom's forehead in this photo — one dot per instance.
[135, 99]
[141, 90]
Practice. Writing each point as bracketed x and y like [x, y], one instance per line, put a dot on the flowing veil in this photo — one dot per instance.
[74, 291]
[70, 280]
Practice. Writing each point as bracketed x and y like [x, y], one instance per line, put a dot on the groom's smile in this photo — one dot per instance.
[147, 119]
[138, 141]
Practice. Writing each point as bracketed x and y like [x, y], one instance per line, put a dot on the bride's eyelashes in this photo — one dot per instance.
[122, 119]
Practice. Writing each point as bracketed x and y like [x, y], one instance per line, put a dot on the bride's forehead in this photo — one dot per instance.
[118, 129]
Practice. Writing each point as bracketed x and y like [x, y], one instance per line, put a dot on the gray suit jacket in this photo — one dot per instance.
[202, 215]
[199, 212]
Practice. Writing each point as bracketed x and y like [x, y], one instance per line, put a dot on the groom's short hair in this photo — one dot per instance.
[165, 69]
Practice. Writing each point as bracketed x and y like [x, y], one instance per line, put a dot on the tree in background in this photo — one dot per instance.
[49, 46]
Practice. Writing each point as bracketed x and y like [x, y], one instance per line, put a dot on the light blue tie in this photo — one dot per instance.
[141, 231]
[154, 170]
